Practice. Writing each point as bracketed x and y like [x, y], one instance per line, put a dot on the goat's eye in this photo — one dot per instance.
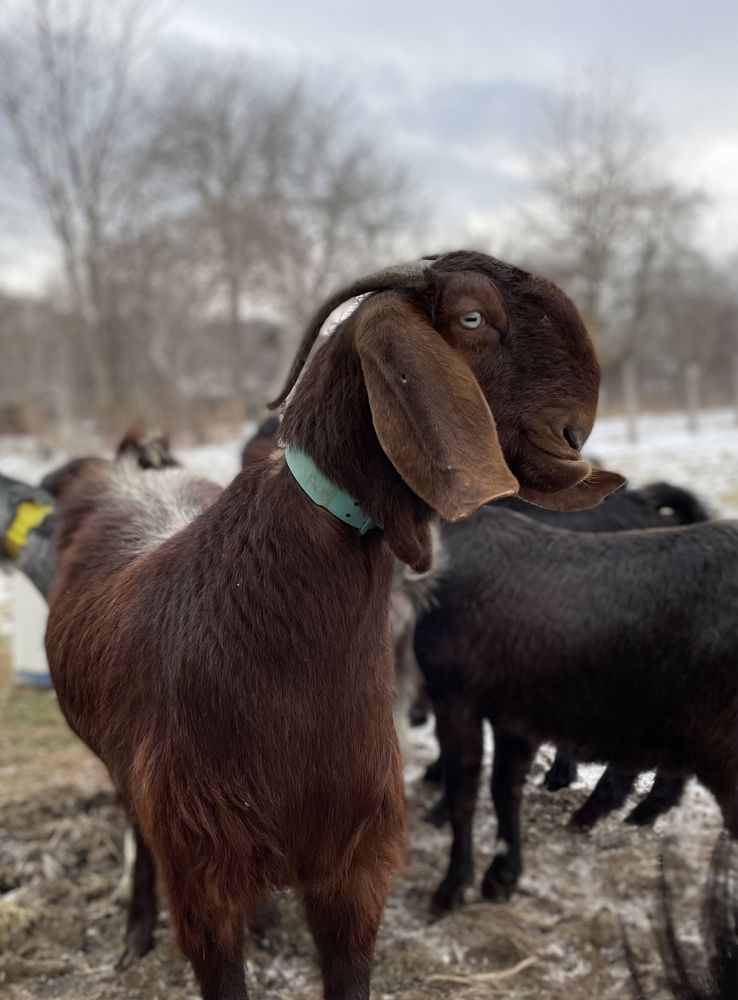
[471, 320]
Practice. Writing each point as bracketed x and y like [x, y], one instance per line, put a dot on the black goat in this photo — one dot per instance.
[27, 522]
[28, 513]
[621, 646]
[657, 505]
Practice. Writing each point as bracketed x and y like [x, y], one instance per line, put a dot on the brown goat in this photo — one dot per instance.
[148, 451]
[235, 673]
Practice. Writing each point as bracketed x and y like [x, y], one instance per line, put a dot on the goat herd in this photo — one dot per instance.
[227, 652]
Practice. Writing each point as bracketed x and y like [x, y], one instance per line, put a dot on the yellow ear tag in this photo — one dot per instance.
[28, 515]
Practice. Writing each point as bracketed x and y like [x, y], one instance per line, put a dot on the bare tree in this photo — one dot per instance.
[341, 210]
[609, 219]
[216, 189]
[694, 326]
[67, 96]
[211, 141]
[290, 197]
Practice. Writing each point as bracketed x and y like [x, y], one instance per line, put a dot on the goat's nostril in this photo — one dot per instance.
[575, 437]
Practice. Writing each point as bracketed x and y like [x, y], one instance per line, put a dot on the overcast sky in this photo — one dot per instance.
[454, 89]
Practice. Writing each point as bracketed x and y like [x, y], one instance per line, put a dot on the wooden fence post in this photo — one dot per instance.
[630, 398]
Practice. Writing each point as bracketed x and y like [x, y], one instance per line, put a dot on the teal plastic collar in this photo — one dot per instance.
[325, 493]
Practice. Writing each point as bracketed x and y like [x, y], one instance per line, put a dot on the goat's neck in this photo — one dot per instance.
[329, 418]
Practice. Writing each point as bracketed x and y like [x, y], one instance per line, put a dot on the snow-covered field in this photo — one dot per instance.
[705, 462]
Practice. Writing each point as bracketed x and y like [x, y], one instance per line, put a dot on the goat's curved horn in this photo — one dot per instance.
[409, 275]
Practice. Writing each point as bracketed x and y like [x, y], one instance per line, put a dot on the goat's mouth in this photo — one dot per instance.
[541, 467]
[557, 477]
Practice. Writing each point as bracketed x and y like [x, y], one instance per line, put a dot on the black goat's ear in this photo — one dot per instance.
[428, 410]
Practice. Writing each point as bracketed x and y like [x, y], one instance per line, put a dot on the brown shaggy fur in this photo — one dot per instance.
[227, 654]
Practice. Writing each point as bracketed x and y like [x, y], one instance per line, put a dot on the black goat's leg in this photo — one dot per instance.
[438, 814]
[513, 757]
[420, 709]
[434, 772]
[561, 774]
[610, 793]
[263, 916]
[665, 793]
[459, 730]
[142, 906]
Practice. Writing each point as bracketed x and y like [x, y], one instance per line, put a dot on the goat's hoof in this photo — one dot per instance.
[559, 775]
[553, 783]
[499, 883]
[641, 817]
[437, 815]
[448, 896]
[582, 821]
[136, 946]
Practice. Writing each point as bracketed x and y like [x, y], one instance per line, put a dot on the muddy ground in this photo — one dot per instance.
[61, 924]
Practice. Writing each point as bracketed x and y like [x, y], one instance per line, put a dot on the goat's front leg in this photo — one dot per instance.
[212, 938]
[219, 969]
[610, 793]
[459, 729]
[344, 922]
[513, 757]
[561, 774]
[142, 906]
[666, 792]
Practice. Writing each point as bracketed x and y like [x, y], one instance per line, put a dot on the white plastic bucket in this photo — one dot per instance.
[30, 611]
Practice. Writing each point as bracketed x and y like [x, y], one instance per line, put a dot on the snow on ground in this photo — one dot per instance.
[705, 462]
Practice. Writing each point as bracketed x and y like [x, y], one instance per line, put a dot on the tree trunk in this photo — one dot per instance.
[630, 398]
[234, 322]
[61, 394]
[692, 377]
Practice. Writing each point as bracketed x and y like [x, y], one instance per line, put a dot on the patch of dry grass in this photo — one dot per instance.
[30, 720]
[35, 741]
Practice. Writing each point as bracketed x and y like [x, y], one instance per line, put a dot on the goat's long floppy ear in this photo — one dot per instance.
[429, 413]
[590, 492]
